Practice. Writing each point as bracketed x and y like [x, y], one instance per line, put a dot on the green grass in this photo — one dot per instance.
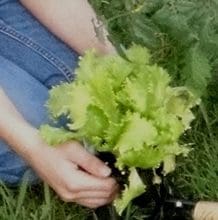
[196, 176]
[37, 203]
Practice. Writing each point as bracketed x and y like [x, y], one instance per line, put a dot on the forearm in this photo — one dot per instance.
[72, 21]
[14, 130]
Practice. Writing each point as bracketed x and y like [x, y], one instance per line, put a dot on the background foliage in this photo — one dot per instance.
[182, 34]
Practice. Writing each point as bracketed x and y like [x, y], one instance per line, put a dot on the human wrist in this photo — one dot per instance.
[20, 135]
[109, 48]
[23, 138]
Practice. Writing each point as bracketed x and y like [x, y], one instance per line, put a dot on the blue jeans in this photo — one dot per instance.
[31, 61]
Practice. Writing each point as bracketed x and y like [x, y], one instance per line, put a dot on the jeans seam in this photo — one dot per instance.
[39, 50]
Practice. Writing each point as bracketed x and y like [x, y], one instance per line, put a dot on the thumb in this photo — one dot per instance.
[89, 162]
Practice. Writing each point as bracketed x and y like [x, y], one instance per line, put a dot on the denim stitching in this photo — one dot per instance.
[38, 49]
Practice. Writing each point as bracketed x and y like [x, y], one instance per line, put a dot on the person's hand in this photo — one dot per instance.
[75, 174]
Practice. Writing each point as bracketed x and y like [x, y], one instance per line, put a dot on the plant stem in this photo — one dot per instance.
[128, 212]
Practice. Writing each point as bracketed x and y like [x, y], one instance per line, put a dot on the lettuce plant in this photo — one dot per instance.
[127, 107]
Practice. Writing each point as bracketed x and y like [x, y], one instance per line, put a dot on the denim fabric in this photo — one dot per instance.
[31, 61]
